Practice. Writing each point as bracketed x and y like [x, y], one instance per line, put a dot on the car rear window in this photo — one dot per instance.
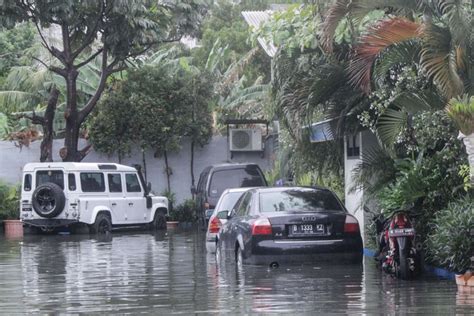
[234, 178]
[54, 176]
[228, 201]
[298, 201]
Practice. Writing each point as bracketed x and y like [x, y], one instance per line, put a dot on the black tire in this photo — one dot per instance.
[48, 200]
[403, 267]
[159, 221]
[102, 224]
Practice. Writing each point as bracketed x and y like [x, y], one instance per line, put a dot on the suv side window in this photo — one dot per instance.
[71, 181]
[92, 182]
[115, 182]
[133, 185]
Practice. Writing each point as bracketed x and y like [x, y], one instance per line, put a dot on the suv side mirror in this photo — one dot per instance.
[148, 187]
[223, 214]
[193, 189]
[230, 214]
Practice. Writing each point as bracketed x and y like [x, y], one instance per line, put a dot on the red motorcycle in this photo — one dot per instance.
[399, 254]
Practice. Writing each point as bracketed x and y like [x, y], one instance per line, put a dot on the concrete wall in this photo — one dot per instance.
[12, 160]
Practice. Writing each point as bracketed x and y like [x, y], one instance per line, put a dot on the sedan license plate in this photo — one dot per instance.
[401, 232]
[306, 229]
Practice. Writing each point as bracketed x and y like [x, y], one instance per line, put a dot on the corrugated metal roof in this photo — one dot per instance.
[255, 19]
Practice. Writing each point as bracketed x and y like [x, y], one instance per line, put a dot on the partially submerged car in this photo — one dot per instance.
[271, 226]
[99, 195]
[219, 217]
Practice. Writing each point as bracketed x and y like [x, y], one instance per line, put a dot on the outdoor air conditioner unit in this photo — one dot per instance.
[247, 139]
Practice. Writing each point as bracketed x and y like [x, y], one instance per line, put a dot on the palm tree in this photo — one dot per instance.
[434, 36]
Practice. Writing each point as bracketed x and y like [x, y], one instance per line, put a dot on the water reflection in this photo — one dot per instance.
[171, 273]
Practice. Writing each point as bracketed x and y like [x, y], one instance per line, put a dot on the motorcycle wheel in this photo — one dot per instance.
[403, 267]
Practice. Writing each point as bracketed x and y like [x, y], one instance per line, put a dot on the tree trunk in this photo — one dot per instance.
[70, 150]
[48, 129]
[192, 166]
[167, 170]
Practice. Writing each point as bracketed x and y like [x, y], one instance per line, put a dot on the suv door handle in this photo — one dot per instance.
[114, 204]
[130, 204]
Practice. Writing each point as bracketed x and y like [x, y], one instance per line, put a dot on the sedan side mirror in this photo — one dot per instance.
[223, 214]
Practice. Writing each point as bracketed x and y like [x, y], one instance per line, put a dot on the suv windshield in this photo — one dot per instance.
[298, 200]
[54, 176]
[235, 178]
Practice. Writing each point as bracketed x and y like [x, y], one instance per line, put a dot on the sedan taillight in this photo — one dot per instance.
[351, 225]
[214, 225]
[261, 226]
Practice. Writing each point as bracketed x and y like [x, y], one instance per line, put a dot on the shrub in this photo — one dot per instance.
[9, 201]
[450, 245]
[185, 212]
[171, 199]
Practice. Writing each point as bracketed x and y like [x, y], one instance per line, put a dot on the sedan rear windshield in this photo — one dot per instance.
[298, 201]
[54, 176]
[235, 178]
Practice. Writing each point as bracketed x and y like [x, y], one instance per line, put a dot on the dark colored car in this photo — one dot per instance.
[216, 179]
[289, 225]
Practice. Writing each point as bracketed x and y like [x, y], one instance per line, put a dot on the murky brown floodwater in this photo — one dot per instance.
[171, 273]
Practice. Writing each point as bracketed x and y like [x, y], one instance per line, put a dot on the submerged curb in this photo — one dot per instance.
[440, 272]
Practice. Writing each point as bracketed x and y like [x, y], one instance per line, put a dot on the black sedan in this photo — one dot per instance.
[271, 226]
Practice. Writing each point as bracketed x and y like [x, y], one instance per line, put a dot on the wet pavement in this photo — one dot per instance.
[170, 272]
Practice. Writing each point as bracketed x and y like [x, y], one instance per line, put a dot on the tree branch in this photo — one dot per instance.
[59, 71]
[90, 58]
[35, 119]
[84, 152]
[90, 37]
[105, 72]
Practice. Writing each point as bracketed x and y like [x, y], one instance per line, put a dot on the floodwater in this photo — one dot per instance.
[170, 273]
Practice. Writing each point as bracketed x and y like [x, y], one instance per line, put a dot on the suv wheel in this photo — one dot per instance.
[159, 221]
[102, 225]
[48, 200]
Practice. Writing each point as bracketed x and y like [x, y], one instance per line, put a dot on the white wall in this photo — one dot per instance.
[12, 160]
[353, 200]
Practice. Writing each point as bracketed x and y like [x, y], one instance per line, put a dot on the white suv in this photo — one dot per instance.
[101, 195]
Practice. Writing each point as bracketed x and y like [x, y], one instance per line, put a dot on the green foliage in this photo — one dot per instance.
[13, 44]
[171, 196]
[440, 155]
[464, 173]
[225, 27]
[9, 201]
[461, 110]
[111, 125]
[185, 212]
[112, 31]
[450, 245]
[293, 28]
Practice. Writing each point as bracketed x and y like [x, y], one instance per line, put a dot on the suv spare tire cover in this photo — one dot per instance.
[48, 200]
